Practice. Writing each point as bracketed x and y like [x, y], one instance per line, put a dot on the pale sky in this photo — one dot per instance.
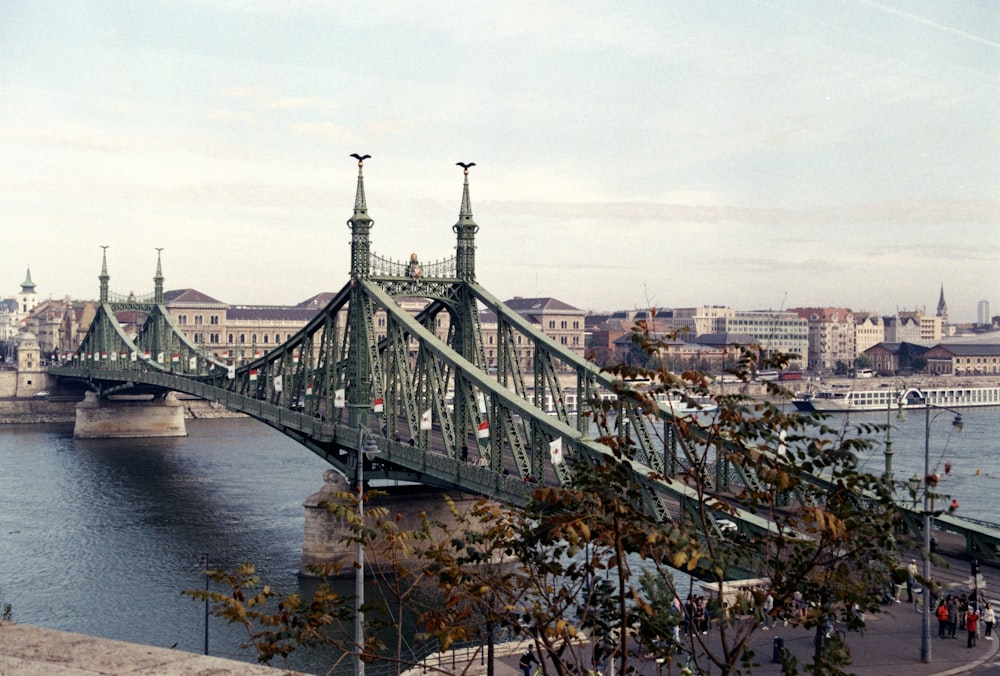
[767, 154]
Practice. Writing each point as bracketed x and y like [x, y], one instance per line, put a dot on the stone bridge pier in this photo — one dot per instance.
[121, 416]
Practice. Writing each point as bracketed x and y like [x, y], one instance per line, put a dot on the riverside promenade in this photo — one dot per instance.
[889, 646]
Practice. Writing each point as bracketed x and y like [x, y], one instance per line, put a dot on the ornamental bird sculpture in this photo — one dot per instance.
[465, 165]
[360, 158]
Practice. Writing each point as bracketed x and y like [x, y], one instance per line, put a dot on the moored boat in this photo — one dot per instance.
[839, 400]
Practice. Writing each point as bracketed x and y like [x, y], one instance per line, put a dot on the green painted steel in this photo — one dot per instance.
[441, 415]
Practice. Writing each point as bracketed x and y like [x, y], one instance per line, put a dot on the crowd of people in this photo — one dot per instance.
[965, 611]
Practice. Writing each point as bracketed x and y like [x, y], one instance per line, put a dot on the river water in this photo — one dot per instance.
[100, 536]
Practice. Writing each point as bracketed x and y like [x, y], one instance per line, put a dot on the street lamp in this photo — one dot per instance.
[888, 436]
[366, 446]
[957, 424]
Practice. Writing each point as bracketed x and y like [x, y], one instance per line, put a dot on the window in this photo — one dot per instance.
[243, 338]
[198, 320]
[214, 320]
[182, 319]
[277, 338]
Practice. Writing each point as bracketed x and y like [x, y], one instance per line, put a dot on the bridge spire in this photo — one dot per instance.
[104, 276]
[158, 279]
[361, 225]
[466, 230]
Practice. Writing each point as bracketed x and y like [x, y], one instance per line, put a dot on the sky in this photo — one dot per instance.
[757, 154]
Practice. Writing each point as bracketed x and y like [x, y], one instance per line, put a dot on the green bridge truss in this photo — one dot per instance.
[366, 362]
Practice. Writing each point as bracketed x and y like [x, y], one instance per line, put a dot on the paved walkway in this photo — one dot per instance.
[890, 644]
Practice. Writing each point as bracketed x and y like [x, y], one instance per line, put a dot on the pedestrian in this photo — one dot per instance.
[942, 615]
[768, 607]
[989, 619]
[971, 618]
[952, 616]
[911, 580]
[526, 660]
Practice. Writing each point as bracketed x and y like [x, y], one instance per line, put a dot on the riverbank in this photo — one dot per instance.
[35, 410]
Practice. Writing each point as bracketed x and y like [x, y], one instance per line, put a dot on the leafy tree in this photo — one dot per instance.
[587, 572]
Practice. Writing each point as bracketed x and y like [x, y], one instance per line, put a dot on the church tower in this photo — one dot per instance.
[942, 308]
[27, 299]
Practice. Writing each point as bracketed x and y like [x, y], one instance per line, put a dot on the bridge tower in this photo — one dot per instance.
[360, 310]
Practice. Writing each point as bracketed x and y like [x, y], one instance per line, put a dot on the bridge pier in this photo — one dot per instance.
[128, 416]
[322, 543]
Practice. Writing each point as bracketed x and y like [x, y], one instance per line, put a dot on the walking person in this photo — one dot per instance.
[971, 618]
[768, 608]
[911, 580]
[526, 660]
[989, 619]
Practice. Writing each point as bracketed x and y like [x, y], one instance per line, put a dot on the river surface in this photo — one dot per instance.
[100, 536]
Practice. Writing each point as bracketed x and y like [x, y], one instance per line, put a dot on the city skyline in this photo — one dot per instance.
[760, 155]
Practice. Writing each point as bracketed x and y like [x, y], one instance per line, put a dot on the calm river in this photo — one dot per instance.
[100, 536]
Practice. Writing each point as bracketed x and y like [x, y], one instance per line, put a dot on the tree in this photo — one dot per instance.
[829, 536]
[586, 571]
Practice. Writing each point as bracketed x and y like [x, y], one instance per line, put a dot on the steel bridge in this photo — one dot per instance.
[417, 383]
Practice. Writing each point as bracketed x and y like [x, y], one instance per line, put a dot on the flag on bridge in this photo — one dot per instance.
[425, 420]
[175, 357]
[231, 371]
[277, 383]
[193, 363]
[556, 450]
[309, 390]
[484, 430]
[378, 405]
[135, 356]
[159, 357]
[295, 357]
[225, 354]
[114, 356]
[145, 355]
[339, 398]
[253, 375]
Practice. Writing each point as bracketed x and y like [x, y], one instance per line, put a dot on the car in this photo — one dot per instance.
[40, 395]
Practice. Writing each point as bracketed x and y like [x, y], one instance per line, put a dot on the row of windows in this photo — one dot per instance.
[199, 320]
[563, 324]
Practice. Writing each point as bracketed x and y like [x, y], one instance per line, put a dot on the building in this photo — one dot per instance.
[561, 322]
[964, 359]
[901, 329]
[983, 317]
[832, 337]
[868, 331]
[931, 328]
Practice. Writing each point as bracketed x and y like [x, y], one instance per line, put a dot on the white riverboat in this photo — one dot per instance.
[842, 400]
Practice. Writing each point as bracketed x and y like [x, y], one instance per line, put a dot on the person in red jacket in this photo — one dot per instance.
[942, 615]
[971, 618]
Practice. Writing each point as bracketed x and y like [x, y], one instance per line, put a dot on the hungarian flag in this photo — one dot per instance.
[124, 355]
[145, 355]
[175, 357]
[225, 354]
[309, 391]
[90, 356]
[556, 450]
[338, 398]
[425, 420]
[484, 430]
[253, 375]
[378, 405]
[295, 357]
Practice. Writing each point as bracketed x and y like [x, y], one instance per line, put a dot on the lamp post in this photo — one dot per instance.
[925, 636]
[366, 446]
